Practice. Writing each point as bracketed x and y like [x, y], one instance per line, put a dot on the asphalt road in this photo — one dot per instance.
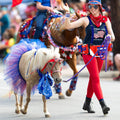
[69, 108]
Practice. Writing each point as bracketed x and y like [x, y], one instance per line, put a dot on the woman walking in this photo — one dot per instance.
[97, 27]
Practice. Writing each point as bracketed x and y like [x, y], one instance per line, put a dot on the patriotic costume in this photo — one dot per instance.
[95, 35]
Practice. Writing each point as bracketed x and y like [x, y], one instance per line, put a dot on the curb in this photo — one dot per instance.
[67, 72]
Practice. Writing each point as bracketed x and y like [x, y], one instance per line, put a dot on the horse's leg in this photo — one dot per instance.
[17, 110]
[47, 114]
[72, 63]
[28, 89]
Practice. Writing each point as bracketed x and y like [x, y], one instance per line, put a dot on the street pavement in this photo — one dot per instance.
[69, 108]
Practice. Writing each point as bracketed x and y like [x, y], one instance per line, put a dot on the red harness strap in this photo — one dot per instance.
[52, 60]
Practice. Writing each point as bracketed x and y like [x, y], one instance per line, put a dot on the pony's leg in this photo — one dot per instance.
[72, 63]
[17, 110]
[28, 88]
[47, 114]
[58, 90]
[21, 102]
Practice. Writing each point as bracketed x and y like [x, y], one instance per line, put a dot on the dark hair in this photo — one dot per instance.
[6, 35]
[13, 26]
[100, 9]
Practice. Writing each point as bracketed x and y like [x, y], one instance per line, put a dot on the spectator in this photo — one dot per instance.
[4, 44]
[82, 11]
[30, 11]
[13, 13]
[72, 6]
[61, 6]
[0, 25]
[117, 63]
[21, 10]
[7, 42]
[5, 20]
[17, 22]
[13, 31]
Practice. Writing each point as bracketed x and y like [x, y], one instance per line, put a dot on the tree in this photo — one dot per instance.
[115, 19]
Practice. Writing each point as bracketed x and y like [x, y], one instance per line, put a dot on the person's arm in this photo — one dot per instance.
[2, 46]
[110, 31]
[41, 7]
[65, 7]
[71, 25]
[0, 23]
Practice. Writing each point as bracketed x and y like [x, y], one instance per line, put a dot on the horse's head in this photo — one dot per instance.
[66, 37]
[48, 60]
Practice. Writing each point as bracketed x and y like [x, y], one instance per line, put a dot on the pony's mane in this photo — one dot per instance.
[42, 56]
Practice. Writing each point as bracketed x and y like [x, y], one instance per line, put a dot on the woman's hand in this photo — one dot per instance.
[65, 7]
[65, 24]
[108, 37]
[50, 9]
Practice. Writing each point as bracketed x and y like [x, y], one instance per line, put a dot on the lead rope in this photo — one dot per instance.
[103, 55]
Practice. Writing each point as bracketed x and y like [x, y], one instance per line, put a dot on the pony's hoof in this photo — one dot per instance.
[68, 93]
[23, 112]
[61, 97]
[17, 111]
[47, 115]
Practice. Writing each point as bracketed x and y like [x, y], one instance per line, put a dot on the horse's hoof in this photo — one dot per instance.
[17, 111]
[23, 112]
[68, 93]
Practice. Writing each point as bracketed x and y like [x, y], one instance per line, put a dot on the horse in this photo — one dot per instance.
[27, 69]
[66, 41]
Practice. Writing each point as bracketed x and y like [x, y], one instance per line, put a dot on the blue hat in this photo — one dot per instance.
[97, 2]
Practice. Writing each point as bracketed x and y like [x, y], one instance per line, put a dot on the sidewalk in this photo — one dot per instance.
[84, 73]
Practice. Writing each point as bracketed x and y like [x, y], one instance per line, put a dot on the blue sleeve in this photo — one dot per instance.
[38, 1]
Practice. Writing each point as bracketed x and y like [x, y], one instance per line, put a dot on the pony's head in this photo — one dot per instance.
[48, 60]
